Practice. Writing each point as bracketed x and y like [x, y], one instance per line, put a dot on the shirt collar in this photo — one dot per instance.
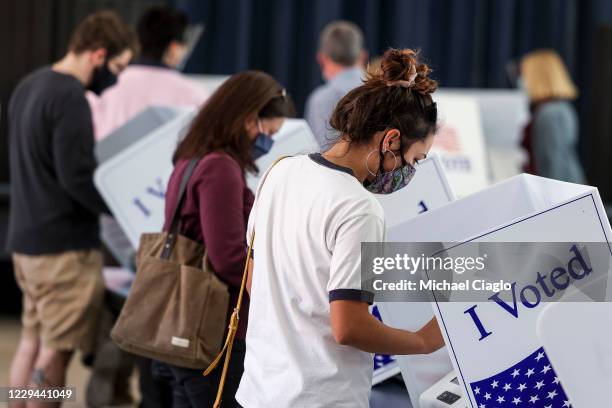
[319, 159]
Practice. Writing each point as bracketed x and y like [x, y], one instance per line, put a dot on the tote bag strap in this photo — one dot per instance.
[174, 221]
[233, 323]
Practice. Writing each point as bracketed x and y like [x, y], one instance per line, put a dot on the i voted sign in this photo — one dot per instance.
[493, 344]
[133, 182]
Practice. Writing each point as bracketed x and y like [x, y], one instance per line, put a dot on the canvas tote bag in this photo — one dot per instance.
[177, 307]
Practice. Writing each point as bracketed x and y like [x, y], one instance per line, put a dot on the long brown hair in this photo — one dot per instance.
[219, 126]
[395, 95]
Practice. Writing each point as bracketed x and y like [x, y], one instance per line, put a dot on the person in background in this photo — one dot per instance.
[233, 128]
[310, 332]
[153, 78]
[53, 220]
[341, 57]
[551, 135]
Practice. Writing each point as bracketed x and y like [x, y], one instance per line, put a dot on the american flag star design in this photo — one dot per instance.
[382, 360]
[532, 383]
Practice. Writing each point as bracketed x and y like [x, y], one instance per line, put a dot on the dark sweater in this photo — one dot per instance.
[54, 204]
[215, 212]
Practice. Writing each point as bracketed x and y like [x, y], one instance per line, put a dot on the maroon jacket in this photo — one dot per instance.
[215, 212]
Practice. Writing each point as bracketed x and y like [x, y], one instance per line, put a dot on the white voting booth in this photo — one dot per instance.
[208, 82]
[134, 180]
[504, 113]
[428, 190]
[576, 337]
[460, 142]
[521, 209]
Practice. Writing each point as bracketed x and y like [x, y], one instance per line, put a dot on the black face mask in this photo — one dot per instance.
[101, 79]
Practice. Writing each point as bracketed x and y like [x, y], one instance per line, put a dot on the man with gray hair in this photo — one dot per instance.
[341, 56]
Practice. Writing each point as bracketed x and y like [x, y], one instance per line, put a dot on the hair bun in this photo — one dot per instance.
[401, 67]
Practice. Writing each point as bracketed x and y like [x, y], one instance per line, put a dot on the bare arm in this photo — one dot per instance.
[353, 325]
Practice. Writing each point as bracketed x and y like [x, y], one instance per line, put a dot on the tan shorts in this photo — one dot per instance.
[62, 297]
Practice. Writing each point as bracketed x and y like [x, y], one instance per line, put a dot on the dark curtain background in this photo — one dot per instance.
[467, 42]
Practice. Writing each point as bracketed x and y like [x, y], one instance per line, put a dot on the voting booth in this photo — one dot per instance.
[503, 114]
[490, 345]
[135, 129]
[576, 336]
[133, 181]
[429, 189]
[112, 234]
[210, 83]
[460, 143]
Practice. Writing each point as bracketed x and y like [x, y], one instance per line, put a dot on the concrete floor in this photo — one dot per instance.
[9, 337]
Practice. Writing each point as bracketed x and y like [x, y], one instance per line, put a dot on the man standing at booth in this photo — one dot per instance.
[341, 57]
[153, 79]
[53, 223]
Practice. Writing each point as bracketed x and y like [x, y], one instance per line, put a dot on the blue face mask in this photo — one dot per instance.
[262, 144]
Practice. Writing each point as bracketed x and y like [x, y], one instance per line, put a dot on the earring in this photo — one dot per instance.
[394, 159]
[366, 163]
